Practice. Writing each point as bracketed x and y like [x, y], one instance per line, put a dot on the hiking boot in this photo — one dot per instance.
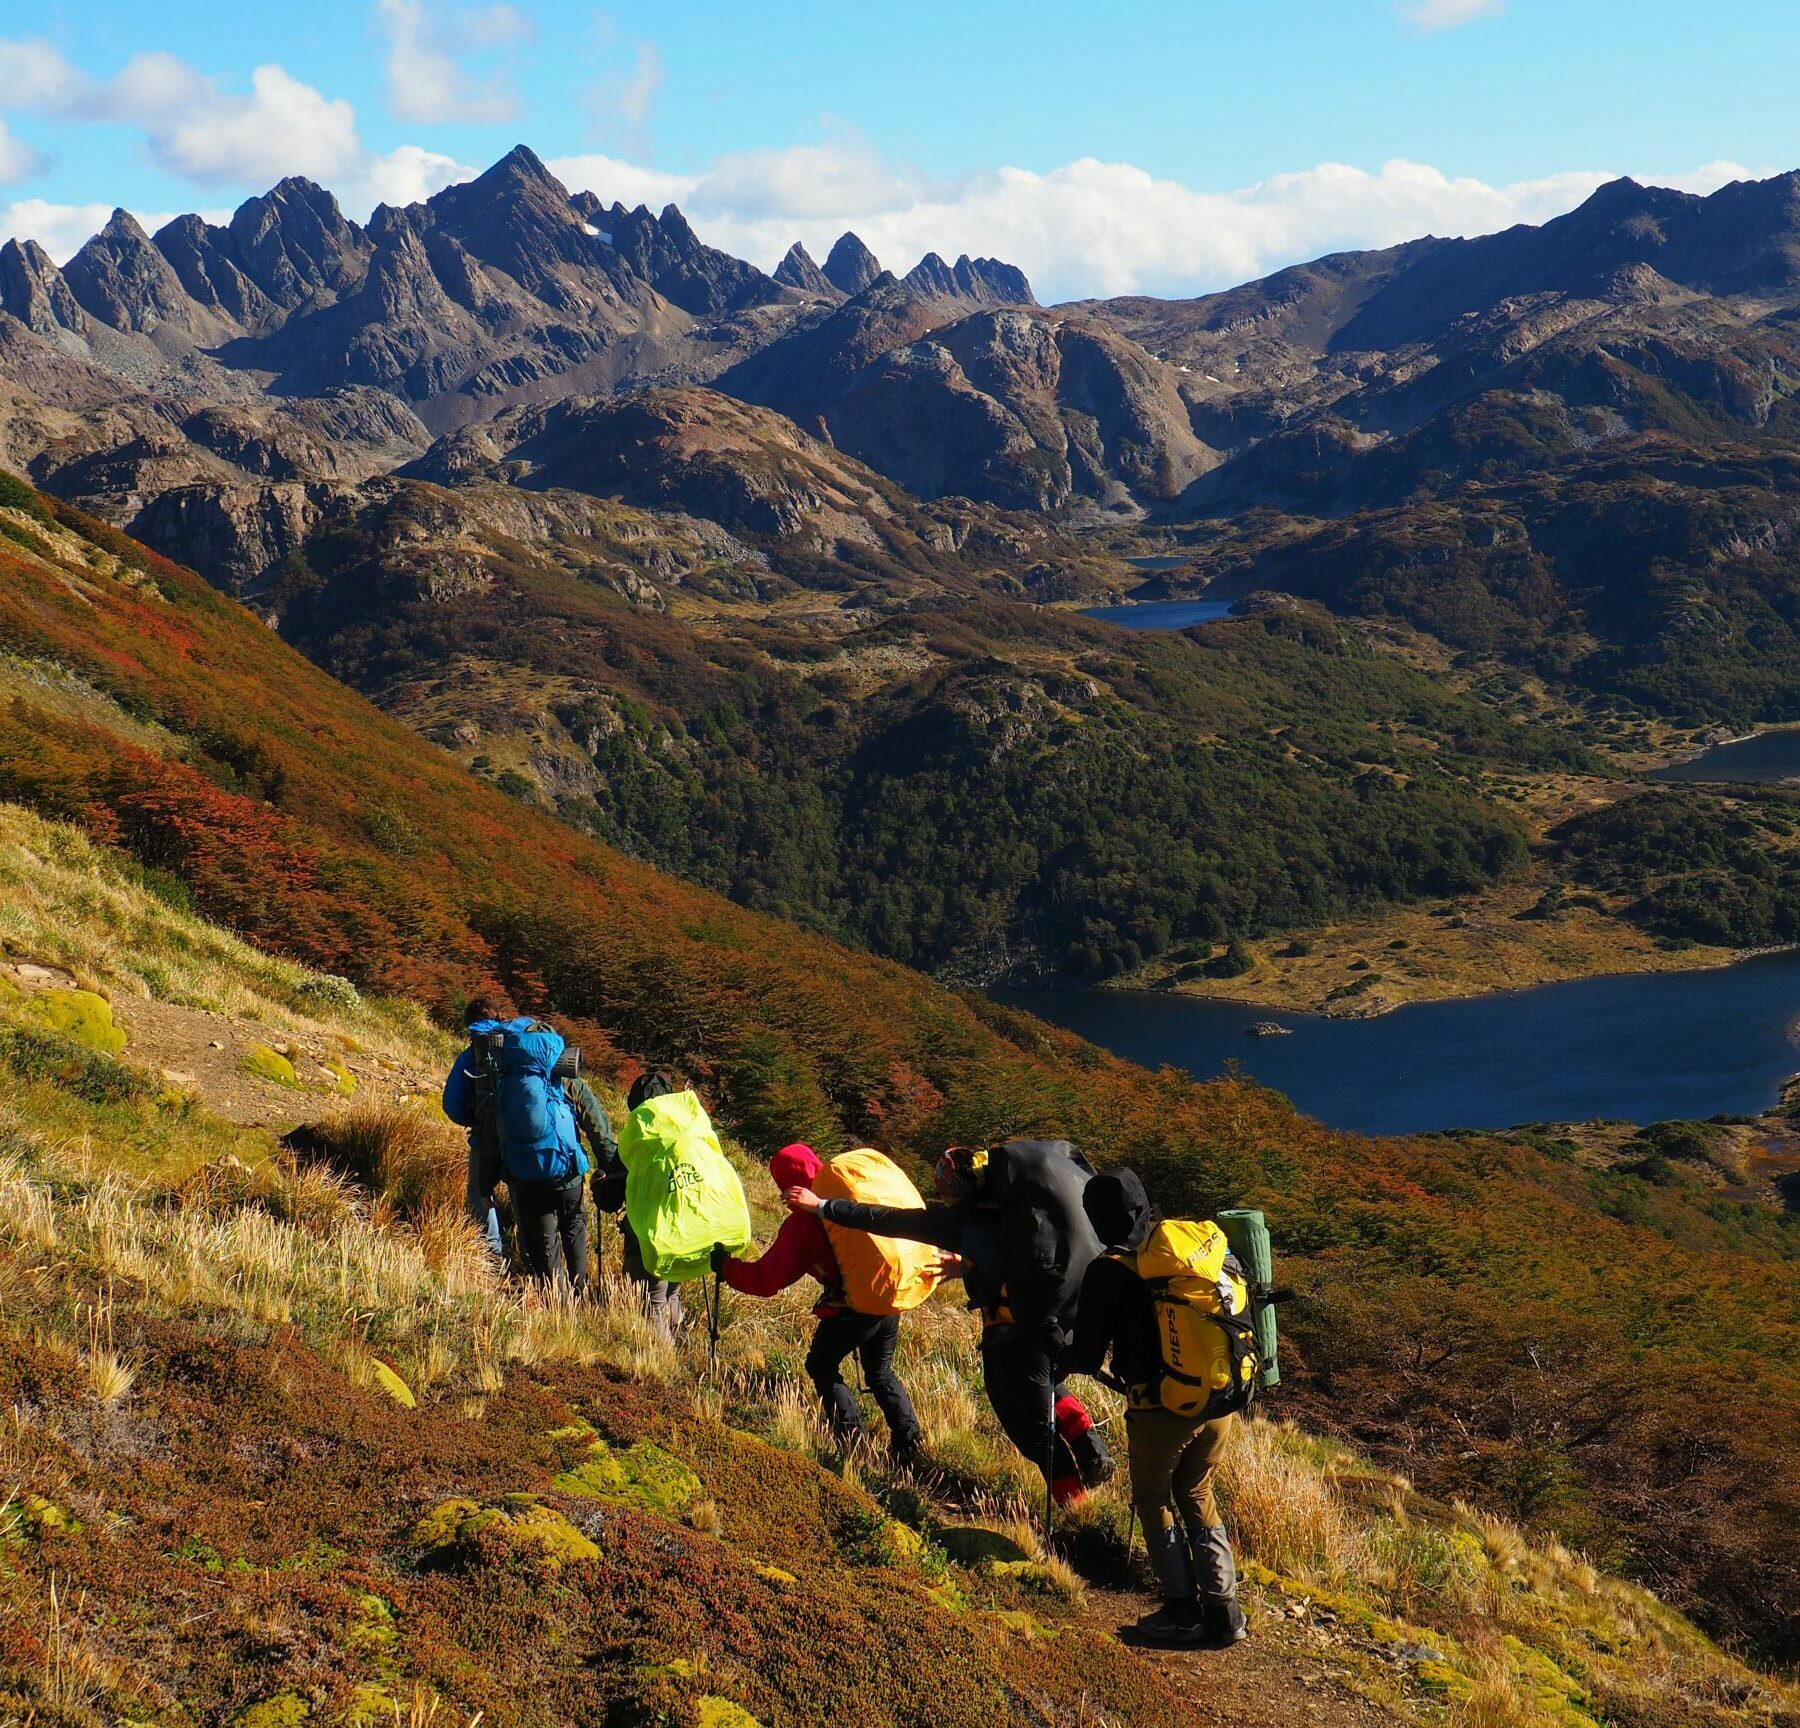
[1174, 1626]
[1094, 1471]
[1223, 1624]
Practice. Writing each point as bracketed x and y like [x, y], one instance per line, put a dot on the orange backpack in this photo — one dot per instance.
[881, 1275]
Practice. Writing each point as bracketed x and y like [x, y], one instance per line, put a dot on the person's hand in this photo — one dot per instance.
[952, 1264]
[720, 1255]
[801, 1200]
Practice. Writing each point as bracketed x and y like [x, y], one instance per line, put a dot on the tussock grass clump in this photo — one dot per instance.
[415, 1162]
[1284, 1504]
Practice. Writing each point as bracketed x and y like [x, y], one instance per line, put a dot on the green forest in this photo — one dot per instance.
[1038, 798]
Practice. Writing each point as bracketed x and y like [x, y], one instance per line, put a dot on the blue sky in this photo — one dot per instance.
[1106, 148]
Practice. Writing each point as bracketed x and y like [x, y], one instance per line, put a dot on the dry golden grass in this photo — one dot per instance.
[402, 1153]
[68, 903]
[1485, 945]
[1287, 1509]
[110, 1375]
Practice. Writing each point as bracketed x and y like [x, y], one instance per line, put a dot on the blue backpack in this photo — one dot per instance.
[533, 1121]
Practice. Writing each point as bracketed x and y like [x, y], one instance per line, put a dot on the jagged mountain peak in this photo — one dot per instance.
[797, 270]
[985, 281]
[520, 163]
[122, 225]
[33, 290]
[851, 266]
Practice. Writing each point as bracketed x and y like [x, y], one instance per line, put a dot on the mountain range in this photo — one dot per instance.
[506, 458]
[293, 346]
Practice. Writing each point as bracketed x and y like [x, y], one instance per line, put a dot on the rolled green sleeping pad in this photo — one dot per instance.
[1248, 1235]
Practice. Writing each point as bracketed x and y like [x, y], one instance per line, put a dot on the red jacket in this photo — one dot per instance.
[801, 1248]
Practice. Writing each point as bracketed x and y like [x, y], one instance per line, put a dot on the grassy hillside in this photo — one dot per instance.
[280, 1451]
[1480, 1315]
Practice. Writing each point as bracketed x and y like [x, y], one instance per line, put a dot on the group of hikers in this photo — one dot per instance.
[1072, 1272]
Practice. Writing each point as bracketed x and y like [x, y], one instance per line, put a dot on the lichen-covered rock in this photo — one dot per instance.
[271, 1065]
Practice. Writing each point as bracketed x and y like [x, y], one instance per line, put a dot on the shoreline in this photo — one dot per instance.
[1703, 960]
[1733, 957]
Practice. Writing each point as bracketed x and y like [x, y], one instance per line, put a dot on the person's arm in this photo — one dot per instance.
[784, 1262]
[459, 1093]
[1096, 1318]
[590, 1114]
[940, 1226]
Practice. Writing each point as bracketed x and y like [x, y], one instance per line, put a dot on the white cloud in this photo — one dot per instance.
[1088, 227]
[616, 180]
[191, 126]
[427, 79]
[403, 176]
[281, 127]
[149, 86]
[18, 161]
[62, 229]
[1447, 14]
[622, 97]
[37, 76]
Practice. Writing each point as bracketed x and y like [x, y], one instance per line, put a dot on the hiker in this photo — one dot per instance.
[803, 1249]
[662, 1300]
[484, 1172]
[506, 1090]
[1172, 1456]
[1011, 1216]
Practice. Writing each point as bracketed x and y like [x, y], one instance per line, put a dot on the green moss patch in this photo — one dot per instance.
[975, 1544]
[31, 1516]
[270, 1065]
[715, 1712]
[284, 1710]
[79, 1015]
[464, 1532]
[641, 1475]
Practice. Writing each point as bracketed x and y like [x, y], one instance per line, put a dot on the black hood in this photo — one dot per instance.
[1118, 1208]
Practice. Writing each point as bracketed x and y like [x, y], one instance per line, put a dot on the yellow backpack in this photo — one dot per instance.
[1201, 1300]
[881, 1276]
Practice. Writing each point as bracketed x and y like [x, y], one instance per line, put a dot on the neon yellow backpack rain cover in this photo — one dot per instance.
[681, 1193]
[1202, 1304]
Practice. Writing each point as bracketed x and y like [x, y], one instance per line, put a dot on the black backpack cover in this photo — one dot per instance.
[1046, 1241]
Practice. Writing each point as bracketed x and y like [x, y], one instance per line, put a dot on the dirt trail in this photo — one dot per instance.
[1286, 1674]
[206, 1054]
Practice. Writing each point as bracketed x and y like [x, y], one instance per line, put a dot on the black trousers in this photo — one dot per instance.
[873, 1337]
[550, 1213]
[1018, 1367]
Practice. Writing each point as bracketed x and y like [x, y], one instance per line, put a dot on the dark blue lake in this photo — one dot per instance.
[1161, 614]
[1643, 1048]
[1769, 756]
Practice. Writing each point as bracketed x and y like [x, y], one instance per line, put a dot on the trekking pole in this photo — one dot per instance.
[1131, 1538]
[1049, 1483]
[712, 1330]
